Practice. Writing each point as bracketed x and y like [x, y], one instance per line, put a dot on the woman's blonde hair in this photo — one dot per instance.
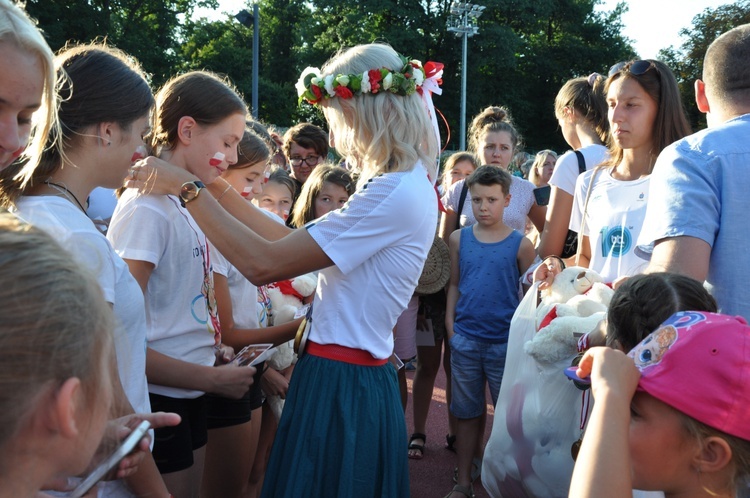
[535, 173]
[17, 28]
[379, 133]
[54, 322]
[304, 207]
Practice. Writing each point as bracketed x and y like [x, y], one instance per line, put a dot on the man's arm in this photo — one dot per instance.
[685, 255]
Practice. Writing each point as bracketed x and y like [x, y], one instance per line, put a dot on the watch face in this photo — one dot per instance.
[190, 190]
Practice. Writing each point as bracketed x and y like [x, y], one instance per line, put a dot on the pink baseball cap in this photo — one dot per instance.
[699, 364]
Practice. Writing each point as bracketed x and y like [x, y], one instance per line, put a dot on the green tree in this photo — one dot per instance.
[150, 30]
[687, 61]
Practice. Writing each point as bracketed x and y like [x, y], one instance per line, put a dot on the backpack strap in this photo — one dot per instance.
[581, 162]
[461, 200]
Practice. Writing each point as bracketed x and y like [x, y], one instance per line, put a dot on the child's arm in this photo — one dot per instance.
[603, 466]
[526, 255]
[447, 224]
[239, 338]
[584, 258]
[454, 243]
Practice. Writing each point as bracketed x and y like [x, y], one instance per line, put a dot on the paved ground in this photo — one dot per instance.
[432, 476]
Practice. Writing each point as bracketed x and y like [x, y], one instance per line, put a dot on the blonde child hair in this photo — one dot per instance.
[19, 30]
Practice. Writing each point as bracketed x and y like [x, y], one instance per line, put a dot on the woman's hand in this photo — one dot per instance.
[156, 176]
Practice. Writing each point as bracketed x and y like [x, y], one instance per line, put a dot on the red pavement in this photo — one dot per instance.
[432, 476]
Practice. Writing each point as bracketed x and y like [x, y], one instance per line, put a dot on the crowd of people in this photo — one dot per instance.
[147, 232]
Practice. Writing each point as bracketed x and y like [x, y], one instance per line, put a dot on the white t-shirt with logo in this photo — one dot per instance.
[244, 295]
[156, 229]
[614, 218]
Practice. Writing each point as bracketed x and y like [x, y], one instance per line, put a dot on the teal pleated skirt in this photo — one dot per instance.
[342, 433]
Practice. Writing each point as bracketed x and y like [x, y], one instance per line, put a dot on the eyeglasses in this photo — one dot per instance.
[633, 67]
[310, 160]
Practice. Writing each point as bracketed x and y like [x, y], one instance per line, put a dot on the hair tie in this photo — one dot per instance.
[592, 79]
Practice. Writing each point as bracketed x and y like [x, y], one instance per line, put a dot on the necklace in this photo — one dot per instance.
[67, 193]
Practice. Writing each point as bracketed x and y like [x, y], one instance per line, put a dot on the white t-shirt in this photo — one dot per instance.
[378, 243]
[566, 168]
[521, 200]
[156, 229]
[245, 305]
[76, 233]
[614, 218]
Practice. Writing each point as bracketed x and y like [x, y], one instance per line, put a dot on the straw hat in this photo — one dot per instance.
[437, 269]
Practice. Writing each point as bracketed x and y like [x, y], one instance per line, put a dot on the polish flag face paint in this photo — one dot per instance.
[217, 159]
[140, 153]
[266, 175]
[247, 192]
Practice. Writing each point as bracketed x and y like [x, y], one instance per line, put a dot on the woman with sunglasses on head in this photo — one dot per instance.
[645, 115]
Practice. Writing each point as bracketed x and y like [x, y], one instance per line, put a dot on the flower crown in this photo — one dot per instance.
[314, 87]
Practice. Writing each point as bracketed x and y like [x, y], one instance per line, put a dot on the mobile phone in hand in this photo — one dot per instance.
[125, 447]
[541, 194]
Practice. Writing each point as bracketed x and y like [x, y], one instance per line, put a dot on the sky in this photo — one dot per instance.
[650, 24]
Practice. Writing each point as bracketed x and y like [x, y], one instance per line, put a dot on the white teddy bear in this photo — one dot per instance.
[286, 298]
[576, 302]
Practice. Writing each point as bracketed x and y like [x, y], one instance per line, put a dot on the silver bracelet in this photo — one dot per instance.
[225, 191]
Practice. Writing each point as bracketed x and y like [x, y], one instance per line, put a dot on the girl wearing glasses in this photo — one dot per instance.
[645, 115]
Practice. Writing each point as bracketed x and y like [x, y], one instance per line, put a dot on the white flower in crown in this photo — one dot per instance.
[342, 79]
[300, 86]
[387, 81]
[418, 75]
[329, 85]
[365, 86]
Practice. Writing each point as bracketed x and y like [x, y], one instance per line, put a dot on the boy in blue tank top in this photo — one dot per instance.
[487, 260]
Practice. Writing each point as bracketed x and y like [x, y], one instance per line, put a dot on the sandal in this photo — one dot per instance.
[416, 446]
[450, 441]
[464, 490]
[476, 470]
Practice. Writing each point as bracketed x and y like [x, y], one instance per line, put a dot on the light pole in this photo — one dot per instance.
[462, 20]
[245, 18]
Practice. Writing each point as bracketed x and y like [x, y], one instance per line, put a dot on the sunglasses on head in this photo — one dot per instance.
[633, 67]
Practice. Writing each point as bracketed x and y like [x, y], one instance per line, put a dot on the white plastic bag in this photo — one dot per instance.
[537, 419]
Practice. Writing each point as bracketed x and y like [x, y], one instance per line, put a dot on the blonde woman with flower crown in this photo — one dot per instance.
[342, 432]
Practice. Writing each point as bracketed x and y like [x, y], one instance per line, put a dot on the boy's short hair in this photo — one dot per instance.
[307, 136]
[490, 175]
[725, 67]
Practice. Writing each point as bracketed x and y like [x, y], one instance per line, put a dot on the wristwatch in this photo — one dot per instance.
[190, 191]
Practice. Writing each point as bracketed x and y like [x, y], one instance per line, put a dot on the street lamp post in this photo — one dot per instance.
[462, 20]
[245, 18]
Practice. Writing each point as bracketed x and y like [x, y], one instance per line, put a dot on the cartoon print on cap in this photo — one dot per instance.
[650, 351]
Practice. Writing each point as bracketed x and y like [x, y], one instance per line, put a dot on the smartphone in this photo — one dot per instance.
[125, 447]
[252, 355]
[541, 194]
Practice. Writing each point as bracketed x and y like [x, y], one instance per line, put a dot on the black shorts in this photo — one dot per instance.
[174, 446]
[226, 412]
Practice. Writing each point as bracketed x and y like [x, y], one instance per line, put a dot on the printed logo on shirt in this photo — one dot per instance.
[616, 241]
[641, 197]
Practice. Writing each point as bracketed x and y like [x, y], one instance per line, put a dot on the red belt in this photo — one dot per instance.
[342, 353]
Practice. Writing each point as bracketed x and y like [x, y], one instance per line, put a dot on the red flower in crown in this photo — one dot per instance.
[375, 78]
[318, 94]
[343, 92]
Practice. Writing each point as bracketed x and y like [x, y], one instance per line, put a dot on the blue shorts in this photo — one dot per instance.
[472, 363]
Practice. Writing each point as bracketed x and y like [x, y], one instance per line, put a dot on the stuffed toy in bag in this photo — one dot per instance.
[286, 298]
[574, 304]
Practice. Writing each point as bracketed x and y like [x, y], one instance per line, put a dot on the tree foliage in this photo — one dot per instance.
[524, 52]
[687, 61]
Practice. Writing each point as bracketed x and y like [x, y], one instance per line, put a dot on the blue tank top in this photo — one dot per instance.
[488, 287]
